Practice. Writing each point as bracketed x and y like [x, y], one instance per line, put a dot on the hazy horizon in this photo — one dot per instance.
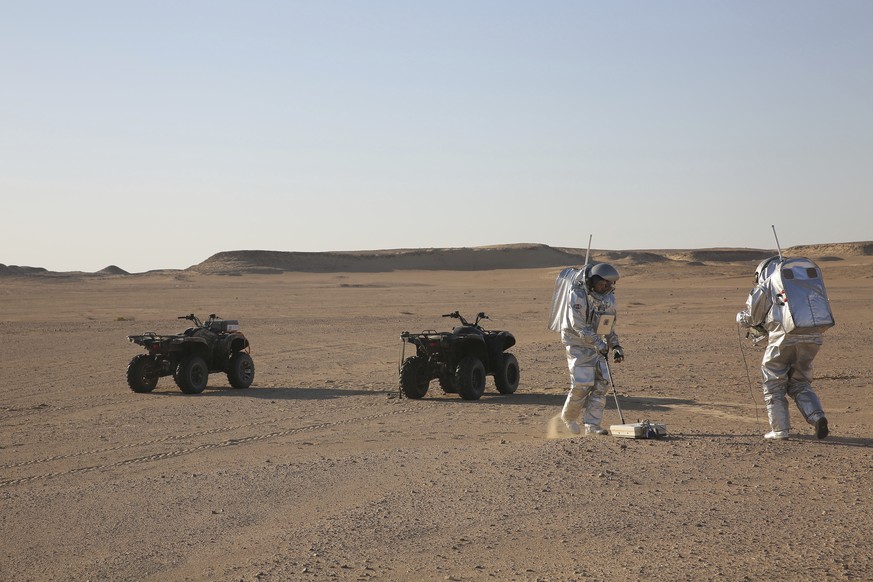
[154, 135]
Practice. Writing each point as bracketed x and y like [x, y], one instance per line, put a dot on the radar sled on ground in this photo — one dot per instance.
[638, 430]
[215, 345]
[460, 360]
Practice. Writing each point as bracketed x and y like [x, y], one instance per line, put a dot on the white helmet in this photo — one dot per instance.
[603, 271]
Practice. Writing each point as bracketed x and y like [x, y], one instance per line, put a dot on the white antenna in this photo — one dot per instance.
[778, 248]
[588, 250]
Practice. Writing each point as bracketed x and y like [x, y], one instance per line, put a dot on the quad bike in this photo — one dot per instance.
[215, 345]
[460, 360]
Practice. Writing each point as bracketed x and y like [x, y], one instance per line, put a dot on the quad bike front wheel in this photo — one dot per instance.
[506, 374]
[471, 378]
[192, 375]
[241, 370]
[142, 376]
[413, 377]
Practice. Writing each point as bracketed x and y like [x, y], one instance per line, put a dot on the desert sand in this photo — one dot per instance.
[320, 471]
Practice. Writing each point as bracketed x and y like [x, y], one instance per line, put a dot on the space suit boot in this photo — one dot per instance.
[572, 426]
[595, 429]
[821, 428]
[777, 435]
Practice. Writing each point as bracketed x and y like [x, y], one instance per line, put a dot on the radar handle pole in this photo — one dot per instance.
[612, 382]
[778, 248]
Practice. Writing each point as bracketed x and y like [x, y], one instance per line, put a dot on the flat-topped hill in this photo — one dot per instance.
[514, 256]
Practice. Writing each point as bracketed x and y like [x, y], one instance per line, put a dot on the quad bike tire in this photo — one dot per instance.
[241, 370]
[471, 378]
[140, 374]
[192, 375]
[413, 377]
[506, 374]
[176, 377]
[449, 384]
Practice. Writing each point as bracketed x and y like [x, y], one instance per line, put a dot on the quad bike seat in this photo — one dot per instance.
[467, 330]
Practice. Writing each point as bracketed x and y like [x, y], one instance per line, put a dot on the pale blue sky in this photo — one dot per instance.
[154, 134]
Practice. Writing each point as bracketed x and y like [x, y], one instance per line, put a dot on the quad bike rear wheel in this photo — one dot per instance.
[413, 377]
[471, 378]
[506, 374]
[192, 375]
[142, 376]
[241, 370]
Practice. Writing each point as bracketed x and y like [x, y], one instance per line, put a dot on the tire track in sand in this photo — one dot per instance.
[203, 447]
[164, 439]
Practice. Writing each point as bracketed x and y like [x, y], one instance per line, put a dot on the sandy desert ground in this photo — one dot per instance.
[320, 471]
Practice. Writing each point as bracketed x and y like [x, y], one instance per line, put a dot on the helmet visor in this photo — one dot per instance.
[600, 285]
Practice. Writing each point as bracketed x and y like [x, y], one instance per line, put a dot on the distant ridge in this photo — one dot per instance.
[112, 270]
[510, 256]
[850, 249]
[484, 258]
[16, 270]
[517, 256]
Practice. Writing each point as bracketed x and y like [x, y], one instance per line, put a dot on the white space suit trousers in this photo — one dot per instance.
[787, 369]
[588, 386]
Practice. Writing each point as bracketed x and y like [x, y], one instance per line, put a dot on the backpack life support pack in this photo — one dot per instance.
[800, 299]
[563, 283]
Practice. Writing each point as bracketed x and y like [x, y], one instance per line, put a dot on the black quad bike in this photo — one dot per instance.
[460, 360]
[215, 345]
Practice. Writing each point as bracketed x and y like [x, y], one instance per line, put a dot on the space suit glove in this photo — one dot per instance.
[743, 319]
[602, 347]
[617, 354]
[757, 331]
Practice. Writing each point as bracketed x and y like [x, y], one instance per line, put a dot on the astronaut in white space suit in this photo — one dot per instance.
[794, 335]
[587, 334]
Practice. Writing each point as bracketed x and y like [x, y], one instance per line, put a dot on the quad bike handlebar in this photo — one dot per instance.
[479, 317]
[193, 318]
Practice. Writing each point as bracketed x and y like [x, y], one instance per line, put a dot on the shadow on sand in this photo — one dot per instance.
[795, 438]
[557, 399]
[636, 406]
[282, 393]
[518, 399]
[840, 441]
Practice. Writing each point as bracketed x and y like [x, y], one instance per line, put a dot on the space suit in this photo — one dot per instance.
[787, 362]
[586, 326]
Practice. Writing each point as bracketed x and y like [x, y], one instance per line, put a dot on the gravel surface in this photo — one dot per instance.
[320, 471]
